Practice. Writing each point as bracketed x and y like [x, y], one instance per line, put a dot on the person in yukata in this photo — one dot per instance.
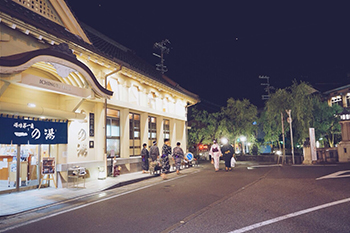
[144, 156]
[227, 150]
[215, 153]
[154, 152]
[166, 152]
[116, 168]
[178, 155]
[153, 157]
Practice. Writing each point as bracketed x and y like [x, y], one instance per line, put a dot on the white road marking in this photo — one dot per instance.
[287, 216]
[257, 166]
[88, 204]
[335, 175]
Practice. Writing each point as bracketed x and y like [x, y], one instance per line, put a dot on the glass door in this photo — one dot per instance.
[29, 168]
[8, 167]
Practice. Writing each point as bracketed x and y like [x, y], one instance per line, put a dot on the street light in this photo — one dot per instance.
[224, 141]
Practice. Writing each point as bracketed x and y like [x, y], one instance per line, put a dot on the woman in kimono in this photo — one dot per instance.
[166, 152]
[178, 155]
[215, 153]
[227, 151]
[144, 156]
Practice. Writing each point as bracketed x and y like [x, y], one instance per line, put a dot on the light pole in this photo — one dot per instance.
[289, 120]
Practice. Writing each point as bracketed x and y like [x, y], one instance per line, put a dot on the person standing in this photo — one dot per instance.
[116, 168]
[154, 152]
[215, 154]
[166, 152]
[227, 150]
[153, 157]
[178, 155]
[144, 156]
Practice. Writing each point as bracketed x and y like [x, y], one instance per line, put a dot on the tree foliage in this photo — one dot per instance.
[205, 126]
[239, 116]
[271, 117]
[232, 121]
[325, 123]
[296, 98]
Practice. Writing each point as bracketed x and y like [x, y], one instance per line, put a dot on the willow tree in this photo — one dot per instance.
[296, 98]
[301, 104]
[271, 117]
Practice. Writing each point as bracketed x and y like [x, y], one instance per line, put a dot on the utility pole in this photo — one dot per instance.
[289, 120]
[163, 50]
[283, 145]
[267, 88]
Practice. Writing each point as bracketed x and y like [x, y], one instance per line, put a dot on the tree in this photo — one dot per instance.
[325, 122]
[204, 126]
[296, 98]
[301, 104]
[238, 119]
[271, 117]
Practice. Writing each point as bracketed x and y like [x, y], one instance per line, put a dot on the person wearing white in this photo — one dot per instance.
[215, 152]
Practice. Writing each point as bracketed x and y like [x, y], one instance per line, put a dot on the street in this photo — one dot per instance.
[249, 198]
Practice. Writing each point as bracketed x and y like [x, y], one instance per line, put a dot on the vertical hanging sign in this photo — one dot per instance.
[92, 124]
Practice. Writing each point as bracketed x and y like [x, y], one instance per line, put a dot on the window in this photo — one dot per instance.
[348, 100]
[337, 100]
[135, 134]
[166, 129]
[113, 133]
[152, 130]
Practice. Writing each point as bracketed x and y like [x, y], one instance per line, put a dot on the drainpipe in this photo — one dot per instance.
[105, 155]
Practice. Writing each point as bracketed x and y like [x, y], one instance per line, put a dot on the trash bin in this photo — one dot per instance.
[101, 173]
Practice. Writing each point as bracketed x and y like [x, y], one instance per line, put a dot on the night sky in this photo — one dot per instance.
[219, 48]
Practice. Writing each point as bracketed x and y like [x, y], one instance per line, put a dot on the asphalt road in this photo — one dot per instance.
[258, 199]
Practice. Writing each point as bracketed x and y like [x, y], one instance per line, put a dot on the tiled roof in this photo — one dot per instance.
[116, 50]
[101, 44]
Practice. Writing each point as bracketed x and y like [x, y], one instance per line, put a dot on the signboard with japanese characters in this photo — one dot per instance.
[21, 131]
[48, 166]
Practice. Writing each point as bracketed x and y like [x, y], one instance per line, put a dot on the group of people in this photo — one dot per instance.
[153, 155]
[226, 151]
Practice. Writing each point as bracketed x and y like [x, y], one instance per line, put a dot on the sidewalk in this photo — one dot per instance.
[32, 199]
[35, 198]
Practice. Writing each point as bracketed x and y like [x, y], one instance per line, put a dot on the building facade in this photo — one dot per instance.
[341, 97]
[73, 95]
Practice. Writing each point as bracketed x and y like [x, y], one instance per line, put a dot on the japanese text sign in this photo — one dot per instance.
[20, 131]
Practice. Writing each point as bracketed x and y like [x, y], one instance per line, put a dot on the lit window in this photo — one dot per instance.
[337, 100]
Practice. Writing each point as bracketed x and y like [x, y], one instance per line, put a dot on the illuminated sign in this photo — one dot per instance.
[21, 131]
[52, 85]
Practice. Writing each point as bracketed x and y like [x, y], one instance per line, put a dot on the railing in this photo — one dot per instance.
[327, 155]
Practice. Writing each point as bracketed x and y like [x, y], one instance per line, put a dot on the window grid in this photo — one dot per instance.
[166, 129]
[152, 130]
[134, 134]
[337, 100]
[113, 133]
[41, 7]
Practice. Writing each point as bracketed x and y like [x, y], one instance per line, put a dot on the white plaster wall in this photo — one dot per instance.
[78, 136]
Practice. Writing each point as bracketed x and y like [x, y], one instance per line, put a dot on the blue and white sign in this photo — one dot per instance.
[20, 131]
[189, 156]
